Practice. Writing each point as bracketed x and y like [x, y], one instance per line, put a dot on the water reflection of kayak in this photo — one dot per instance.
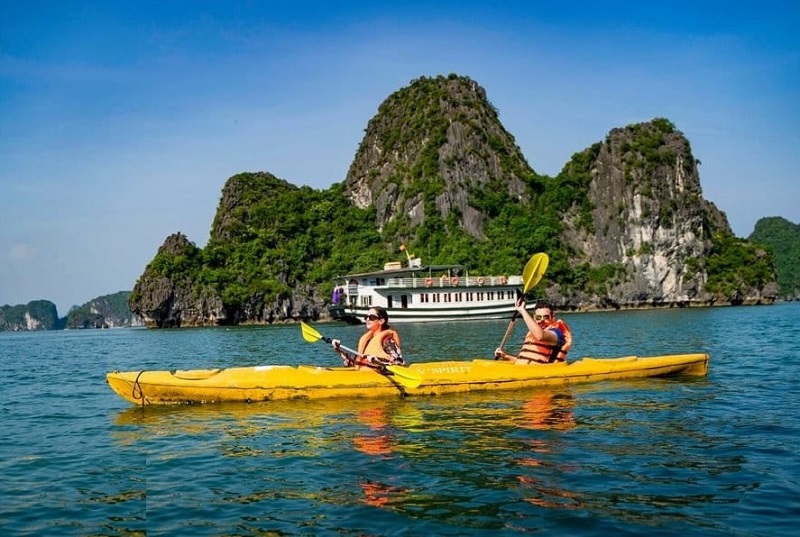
[271, 383]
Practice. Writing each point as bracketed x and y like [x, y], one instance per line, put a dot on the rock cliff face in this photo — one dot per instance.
[649, 219]
[162, 302]
[171, 292]
[438, 138]
[36, 315]
[107, 311]
[253, 203]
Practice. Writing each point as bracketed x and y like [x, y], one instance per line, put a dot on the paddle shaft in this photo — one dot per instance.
[509, 329]
[511, 324]
[403, 374]
[351, 351]
[345, 349]
[532, 274]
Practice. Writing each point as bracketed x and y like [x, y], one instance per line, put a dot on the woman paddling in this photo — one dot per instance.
[379, 346]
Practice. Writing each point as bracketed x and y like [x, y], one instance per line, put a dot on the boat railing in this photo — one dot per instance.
[451, 282]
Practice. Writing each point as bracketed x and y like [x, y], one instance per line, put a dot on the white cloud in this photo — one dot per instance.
[21, 252]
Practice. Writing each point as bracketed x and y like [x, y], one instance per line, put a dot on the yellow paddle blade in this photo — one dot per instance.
[405, 376]
[309, 334]
[534, 271]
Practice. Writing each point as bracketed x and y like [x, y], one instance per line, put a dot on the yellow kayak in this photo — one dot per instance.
[276, 382]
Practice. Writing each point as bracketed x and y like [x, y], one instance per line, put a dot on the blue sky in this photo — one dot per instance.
[120, 123]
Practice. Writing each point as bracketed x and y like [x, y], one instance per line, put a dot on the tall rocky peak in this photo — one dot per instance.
[648, 217]
[175, 244]
[430, 147]
[167, 295]
[241, 194]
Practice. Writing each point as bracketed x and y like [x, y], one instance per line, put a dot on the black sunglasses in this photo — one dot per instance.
[371, 317]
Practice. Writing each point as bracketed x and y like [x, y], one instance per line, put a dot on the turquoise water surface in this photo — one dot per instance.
[715, 455]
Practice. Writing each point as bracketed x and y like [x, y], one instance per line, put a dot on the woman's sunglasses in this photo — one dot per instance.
[371, 317]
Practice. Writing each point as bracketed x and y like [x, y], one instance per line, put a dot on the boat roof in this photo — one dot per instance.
[405, 270]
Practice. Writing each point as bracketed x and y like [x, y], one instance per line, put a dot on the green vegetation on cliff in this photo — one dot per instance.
[782, 237]
[291, 236]
[35, 315]
[269, 236]
[102, 312]
[735, 264]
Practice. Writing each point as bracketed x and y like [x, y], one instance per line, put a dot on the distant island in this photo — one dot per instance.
[782, 239]
[108, 311]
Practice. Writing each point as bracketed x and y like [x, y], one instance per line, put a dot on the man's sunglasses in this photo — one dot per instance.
[541, 317]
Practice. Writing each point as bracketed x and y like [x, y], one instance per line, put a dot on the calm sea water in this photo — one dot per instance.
[704, 456]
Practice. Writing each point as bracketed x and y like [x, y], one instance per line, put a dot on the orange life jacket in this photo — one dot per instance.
[372, 343]
[542, 352]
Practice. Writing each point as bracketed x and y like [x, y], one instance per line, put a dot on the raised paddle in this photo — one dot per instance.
[531, 275]
[404, 375]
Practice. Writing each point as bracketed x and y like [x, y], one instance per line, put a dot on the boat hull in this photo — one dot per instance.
[268, 383]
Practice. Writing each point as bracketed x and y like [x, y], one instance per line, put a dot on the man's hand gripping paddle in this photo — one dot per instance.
[531, 275]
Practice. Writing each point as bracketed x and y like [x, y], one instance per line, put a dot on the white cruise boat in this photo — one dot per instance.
[419, 293]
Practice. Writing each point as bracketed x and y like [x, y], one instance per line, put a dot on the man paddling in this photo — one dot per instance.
[547, 341]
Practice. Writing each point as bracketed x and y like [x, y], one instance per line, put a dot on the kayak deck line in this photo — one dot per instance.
[269, 383]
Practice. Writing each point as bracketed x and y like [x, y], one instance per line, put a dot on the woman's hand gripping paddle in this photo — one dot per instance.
[531, 275]
[403, 375]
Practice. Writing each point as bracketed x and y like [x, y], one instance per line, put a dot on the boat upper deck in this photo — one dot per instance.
[404, 280]
[417, 276]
